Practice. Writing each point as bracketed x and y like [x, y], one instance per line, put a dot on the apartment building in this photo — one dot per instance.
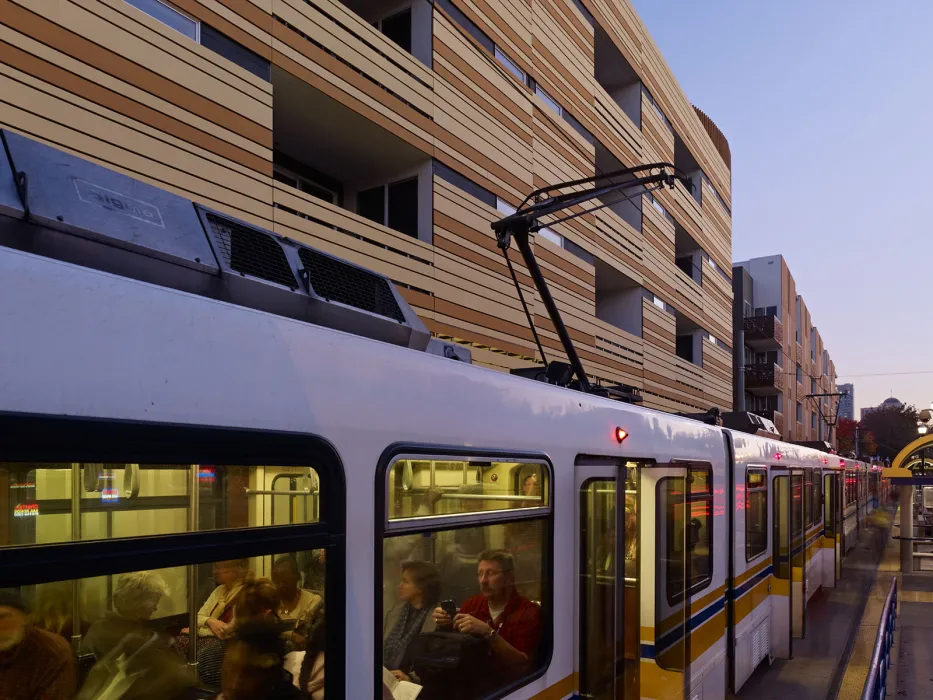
[393, 132]
[781, 363]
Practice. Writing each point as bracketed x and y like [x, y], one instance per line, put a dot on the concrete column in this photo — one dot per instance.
[906, 500]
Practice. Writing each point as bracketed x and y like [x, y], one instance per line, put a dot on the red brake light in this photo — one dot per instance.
[621, 434]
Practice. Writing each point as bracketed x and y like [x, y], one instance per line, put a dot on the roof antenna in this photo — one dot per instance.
[549, 201]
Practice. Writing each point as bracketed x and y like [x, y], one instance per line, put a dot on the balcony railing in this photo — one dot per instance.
[763, 332]
[764, 378]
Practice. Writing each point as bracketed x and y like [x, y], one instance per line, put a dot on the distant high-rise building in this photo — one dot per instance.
[847, 402]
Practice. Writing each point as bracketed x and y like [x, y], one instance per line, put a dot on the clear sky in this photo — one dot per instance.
[828, 109]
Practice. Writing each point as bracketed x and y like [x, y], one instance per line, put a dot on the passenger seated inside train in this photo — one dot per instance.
[216, 614]
[307, 666]
[254, 665]
[34, 663]
[258, 599]
[297, 606]
[419, 591]
[508, 622]
[123, 641]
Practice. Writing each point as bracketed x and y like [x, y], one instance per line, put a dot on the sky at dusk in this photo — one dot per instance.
[828, 109]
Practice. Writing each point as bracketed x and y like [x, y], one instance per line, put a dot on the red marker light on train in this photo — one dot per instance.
[621, 434]
[777, 456]
[825, 460]
[842, 462]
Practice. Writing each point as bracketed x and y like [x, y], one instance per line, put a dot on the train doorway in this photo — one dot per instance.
[609, 580]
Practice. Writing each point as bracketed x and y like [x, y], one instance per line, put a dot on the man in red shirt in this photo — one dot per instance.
[510, 622]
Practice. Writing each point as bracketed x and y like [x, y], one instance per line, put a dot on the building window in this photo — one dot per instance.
[548, 100]
[756, 513]
[799, 412]
[497, 570]
[280, 174]
[812, 386]
[169, 16]
[657, 109]
[799, 374]
[659, 207]
[394, 205]
[397, 28]
[464, 183]
[509, 64]
[232, 51]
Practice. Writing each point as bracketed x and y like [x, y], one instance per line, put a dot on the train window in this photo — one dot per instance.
[64, 502]
[807, 497]
[420, 488]
[756, 513]
[829, 522]
[689, 559]
[471, 538]
[816, 497]
[131, 630]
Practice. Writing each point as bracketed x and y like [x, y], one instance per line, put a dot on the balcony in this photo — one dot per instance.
[765, 378]
[763, 332]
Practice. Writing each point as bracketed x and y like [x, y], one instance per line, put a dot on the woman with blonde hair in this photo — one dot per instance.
[258, 600]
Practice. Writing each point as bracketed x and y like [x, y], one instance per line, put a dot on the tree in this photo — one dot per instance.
[845, 436]
[892, 428]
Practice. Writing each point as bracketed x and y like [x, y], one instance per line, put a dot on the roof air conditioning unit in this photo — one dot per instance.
[60, 206]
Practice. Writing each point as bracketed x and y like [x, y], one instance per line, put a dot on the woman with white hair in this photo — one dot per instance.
[135, 599]
[128, 650]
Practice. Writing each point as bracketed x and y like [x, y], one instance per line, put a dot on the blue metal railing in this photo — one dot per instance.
[877, 681]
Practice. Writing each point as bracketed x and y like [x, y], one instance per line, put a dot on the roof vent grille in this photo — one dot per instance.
[251, 252]
[337, 281]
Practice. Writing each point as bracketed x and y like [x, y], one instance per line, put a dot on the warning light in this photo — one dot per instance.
[825, 460]
[621, 434]
[842, 462]
[778, 456]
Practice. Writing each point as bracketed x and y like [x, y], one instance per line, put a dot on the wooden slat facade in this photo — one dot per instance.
[103, 80]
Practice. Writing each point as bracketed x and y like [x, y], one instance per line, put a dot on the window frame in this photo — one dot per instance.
[25, 438]
[197, 23]
[401, 450]
[689, 498]
[763, 470]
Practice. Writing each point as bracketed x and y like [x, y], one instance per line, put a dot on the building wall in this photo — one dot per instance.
[106, 81]
[803, 346]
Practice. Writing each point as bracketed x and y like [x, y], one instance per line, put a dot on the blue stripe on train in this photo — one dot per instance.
[670, 638]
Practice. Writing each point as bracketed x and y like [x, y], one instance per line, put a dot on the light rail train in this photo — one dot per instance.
[144, 427]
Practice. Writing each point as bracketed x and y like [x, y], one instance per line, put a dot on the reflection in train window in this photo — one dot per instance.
[432, 487]
[47, 503]
[494, 576]
[689, 532]
[756, 513]
[808, 498]
[816, 497]
[131, 630]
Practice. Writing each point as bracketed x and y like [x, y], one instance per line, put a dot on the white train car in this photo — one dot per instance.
[162, 428]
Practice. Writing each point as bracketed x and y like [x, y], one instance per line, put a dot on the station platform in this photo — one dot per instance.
[832, 660]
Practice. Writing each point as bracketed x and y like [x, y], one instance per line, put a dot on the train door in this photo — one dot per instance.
[609, 578]
[782, 591]
[831, 536]
[682, 565]
[789, 601]
[798, 556]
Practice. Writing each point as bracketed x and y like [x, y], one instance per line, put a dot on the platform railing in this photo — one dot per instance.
[876, 683]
